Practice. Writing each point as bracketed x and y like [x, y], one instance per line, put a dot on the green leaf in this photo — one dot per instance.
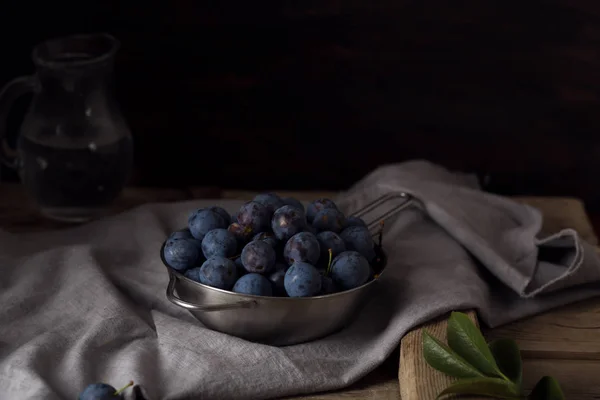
[492, 387]
[468, 342]
[508, 358]
[547, 389]
[442, 358]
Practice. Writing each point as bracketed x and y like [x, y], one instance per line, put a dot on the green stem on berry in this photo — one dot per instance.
[123, 388]
[329, 264]
[234, 257]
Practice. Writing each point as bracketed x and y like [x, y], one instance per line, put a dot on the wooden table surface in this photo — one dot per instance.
[564, 343]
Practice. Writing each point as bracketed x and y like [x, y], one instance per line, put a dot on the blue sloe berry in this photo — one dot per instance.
[203, 221]
[239, 266]
[193, 274]
[99, 391]
[327, 285]
[316, 206]
[359, 239]
[302, 280]
[329, 219]
[242, 234]
[330, 240]
[303, 246]
[222, 212]
[254, 284]
[290, 201]
[218, 272]
[255, 216]
[181, 254]
[219, 242]
[270, 200]
[268, 237]
[287, 221]
[277, 279]
[350, 270]
[355, 221]
[181, 234]
[258, 256]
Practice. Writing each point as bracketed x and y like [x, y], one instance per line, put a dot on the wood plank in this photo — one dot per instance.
[578, 378]
[570, 332]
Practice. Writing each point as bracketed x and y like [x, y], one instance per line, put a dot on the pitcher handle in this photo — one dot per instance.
[9, 93]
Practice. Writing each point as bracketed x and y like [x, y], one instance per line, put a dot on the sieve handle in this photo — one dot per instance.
[173, 298]
[373, 223]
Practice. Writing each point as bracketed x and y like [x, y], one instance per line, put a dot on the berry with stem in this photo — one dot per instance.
[103, 391]
[118, 392]
[328, 270]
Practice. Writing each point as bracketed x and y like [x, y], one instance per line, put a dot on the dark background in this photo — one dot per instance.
[314, 94]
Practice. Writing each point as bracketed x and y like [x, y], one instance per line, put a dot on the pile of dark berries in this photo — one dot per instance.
[274, 247]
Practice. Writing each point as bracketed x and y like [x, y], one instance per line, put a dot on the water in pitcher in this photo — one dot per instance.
[74, 152]
[74, 179]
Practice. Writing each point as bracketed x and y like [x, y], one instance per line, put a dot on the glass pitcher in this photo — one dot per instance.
[74, 151]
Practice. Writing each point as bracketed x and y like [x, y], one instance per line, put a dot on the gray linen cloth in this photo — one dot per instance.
[87, 304]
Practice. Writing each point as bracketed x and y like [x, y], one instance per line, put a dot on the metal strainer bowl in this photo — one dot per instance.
[277, 321]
